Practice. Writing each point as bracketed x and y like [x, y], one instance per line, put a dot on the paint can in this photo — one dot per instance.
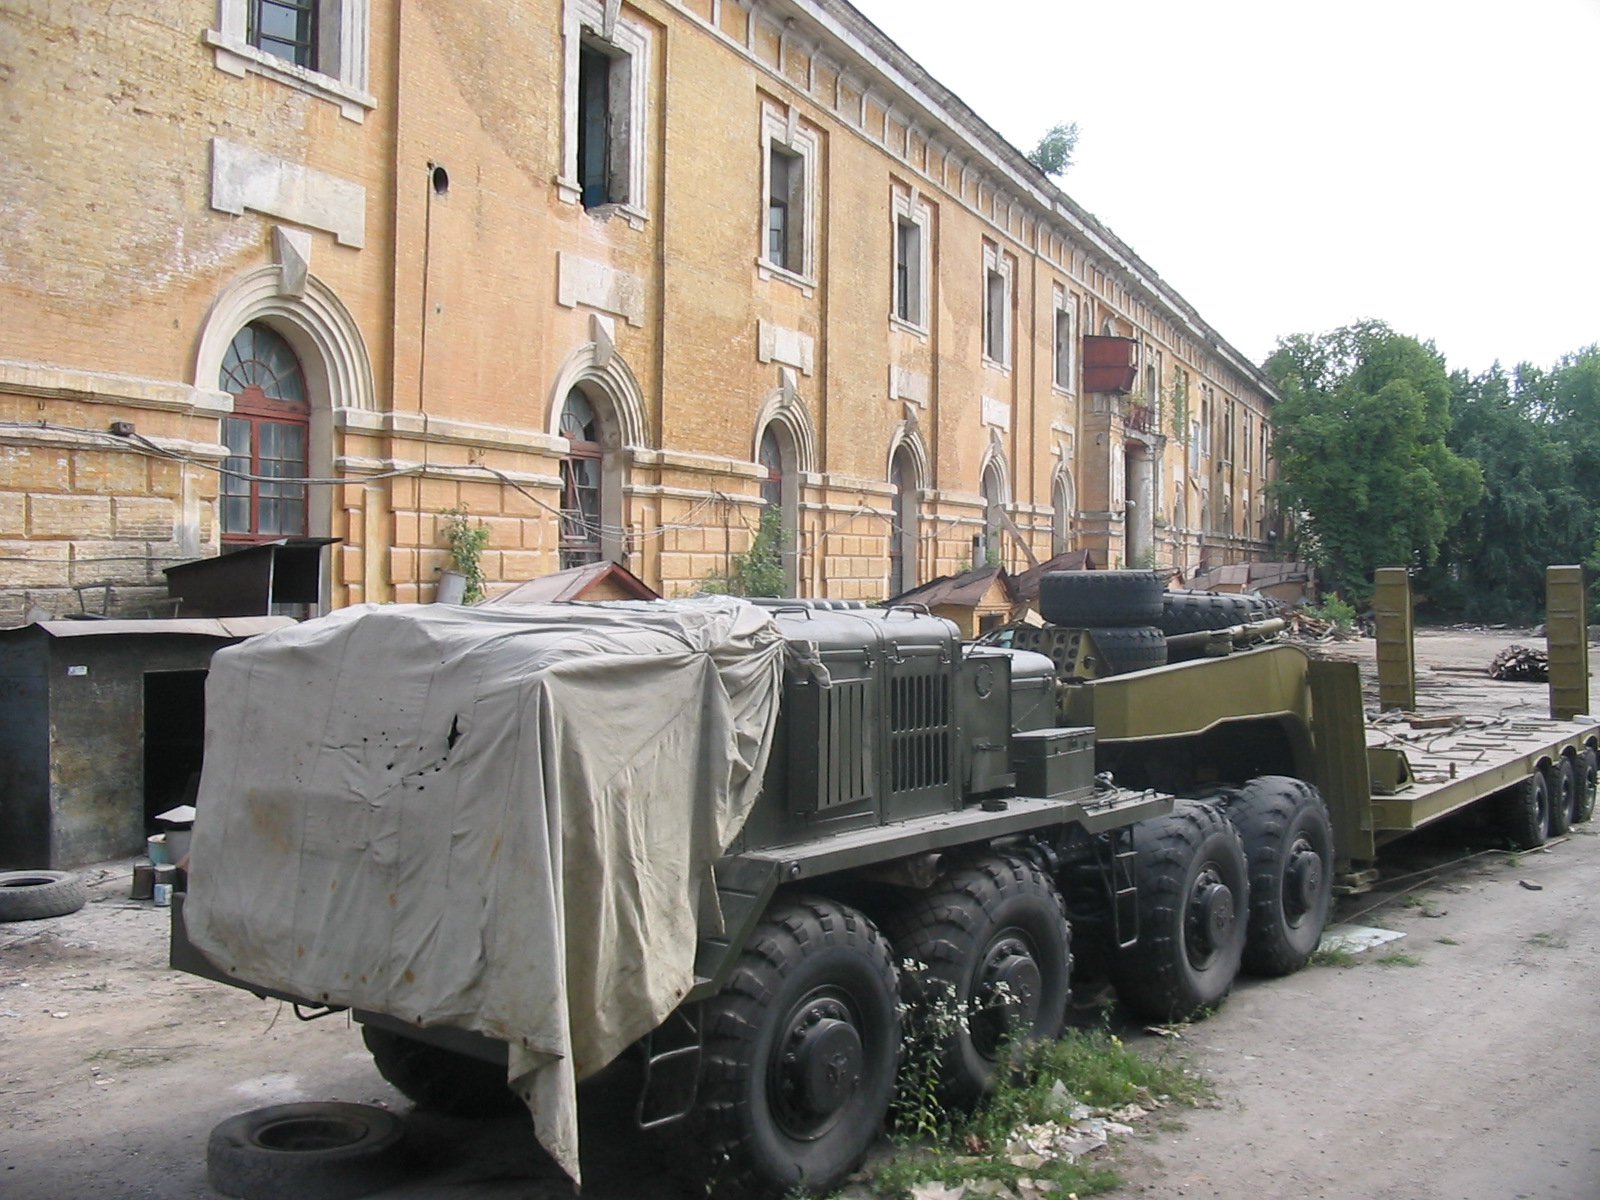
[144, 880]
[161, 892]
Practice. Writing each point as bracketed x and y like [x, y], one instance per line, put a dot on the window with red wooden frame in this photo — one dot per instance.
[266, 438]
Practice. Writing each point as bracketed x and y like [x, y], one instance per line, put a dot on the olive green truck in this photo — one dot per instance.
[939, 819]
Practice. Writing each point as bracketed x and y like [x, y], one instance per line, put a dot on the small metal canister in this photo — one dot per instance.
[165, 875]
[144, 880]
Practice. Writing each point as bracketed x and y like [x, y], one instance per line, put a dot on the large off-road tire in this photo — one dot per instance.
[991, 943]
[1193, 902]
[1196, 612]
[1525, 812]
[439, 1079]
[1082, 599]
[322, 1150]
[800, 1051]
[34, 895]
[1288, 842]
[1588, 766]
[1130, 649]
[1561, 778]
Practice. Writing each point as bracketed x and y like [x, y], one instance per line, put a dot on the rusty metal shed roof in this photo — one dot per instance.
[966, 590]
[575, 583]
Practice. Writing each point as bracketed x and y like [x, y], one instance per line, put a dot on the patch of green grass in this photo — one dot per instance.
[1513, 860]
[1550, 941]
[1334, 956]
[1413, 900]
[1096, 1069]
[1398, 958]
[1447, 940]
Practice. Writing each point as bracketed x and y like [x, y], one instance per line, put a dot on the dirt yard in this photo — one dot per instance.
[1456, 1069]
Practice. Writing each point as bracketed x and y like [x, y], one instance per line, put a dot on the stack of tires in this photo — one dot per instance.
[1120, 610]
[1130, 614]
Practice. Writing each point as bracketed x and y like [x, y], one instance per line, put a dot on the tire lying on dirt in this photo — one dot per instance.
[323, 1150]
[1081, 599]
[800, 1052]
[442, 1080]
[1194, 892]
[1588, 764]
[1525, 812]
[1288, 842]
[990, 942]
[34, 895]
[1562, 782]
[1130, 649]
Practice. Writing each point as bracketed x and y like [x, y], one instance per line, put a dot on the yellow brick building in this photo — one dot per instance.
[611, 277]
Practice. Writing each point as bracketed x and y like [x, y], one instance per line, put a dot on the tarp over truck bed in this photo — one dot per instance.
[500, 820]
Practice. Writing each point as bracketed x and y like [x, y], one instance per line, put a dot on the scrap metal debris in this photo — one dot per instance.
[1520, 664]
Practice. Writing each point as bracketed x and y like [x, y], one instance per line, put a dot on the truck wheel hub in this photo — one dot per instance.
[824, 1061]
[1303, 880]
[1211, 916]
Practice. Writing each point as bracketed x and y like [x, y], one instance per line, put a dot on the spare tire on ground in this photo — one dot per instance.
[313, 1150]
[1082, 599]
[1123, 650]
[33, 895]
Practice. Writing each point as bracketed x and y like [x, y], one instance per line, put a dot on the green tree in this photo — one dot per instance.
[1053, 154]
[1360, 437]
[758, 571]
[1531, 513]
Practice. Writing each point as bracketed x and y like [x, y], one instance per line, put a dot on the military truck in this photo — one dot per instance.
[934, 821]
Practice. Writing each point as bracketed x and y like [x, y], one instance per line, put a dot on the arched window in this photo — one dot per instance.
[780, 491]
[903, 537]
[581, 477]
[772, 460]
[266, 436]
[994, 495]
[1063, 505]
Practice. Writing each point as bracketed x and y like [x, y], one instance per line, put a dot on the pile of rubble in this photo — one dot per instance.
[1520, 664]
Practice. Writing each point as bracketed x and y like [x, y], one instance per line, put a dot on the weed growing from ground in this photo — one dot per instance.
[1399, 958]
[1334, 956]
[1094, 1069]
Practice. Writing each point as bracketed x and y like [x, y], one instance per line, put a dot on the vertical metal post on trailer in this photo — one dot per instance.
[1397, 660]
[1566, 630]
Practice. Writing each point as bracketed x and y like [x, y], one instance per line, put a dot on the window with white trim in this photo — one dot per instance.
[1066, 305]
[997, 276]
[315, 46]
[912, 249]
[789, 197]
[606, 99]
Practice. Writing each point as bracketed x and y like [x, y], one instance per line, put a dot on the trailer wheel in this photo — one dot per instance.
[992, 940]
[315, 1150]
[34, 895]
[1525, 811]
[1561, 778]
[1131, 648]
[1194, 891]
[1080, 599]
[1288, 842]
[442, 1080]
[1588, 764]
[800, 1052]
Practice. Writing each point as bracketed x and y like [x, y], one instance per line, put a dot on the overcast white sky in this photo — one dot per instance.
[1291, 167]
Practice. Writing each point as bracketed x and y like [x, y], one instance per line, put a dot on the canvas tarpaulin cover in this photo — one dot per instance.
[495, 819]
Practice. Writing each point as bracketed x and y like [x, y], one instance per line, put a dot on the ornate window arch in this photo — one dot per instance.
[995, 487]
[597, 398]
[309, 317]
[1063, 511]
